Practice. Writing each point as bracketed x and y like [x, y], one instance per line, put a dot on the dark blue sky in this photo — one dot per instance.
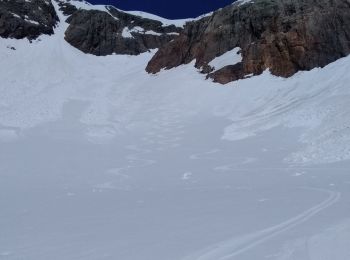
[168, 8]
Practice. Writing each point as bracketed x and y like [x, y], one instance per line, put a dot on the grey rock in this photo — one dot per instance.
[26, 19]
[66, 7]
[101, 32]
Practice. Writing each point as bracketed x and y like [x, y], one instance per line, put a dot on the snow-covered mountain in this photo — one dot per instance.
[101, 160]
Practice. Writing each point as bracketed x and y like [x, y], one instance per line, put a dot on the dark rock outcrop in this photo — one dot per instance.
[284, 36]
[66, 7]
[112, 31]
[26, 18]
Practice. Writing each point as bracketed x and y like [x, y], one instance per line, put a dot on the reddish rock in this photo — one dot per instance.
[284, 36]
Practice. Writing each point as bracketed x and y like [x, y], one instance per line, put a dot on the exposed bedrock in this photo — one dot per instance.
[26, 18]
[112, 31]
[284, 36]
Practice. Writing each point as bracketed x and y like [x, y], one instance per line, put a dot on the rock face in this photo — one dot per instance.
[66, 7]
[26, 18]
[284, 36]
[112, 31]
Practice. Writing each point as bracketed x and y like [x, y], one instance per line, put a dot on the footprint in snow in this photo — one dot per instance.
[297, 174]
[186, 176]
[6, 253]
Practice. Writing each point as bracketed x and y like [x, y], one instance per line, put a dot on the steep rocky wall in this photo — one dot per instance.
[284, 36]
[26, 18]
[112, 31]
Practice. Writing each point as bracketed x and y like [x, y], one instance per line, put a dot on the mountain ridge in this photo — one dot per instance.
[282, 36]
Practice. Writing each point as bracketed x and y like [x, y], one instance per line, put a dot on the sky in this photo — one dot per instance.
[171, 9]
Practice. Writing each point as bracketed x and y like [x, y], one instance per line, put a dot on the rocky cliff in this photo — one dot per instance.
[26, 19]
[111, 31]
[98, 31]
[284, 36]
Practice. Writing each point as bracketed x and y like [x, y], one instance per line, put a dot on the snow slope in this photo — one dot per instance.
[99, 160]
[315, 100]
[231, 57]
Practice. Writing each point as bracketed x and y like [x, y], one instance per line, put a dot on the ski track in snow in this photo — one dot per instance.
[160, 115]
[165, 133]
[234, 247]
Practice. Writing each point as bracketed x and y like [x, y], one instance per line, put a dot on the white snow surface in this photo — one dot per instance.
[166, 22]
[243, 2]
[231, 57]
[127, 33]
[100, 160]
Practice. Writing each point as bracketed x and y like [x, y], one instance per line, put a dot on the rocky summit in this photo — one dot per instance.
[283, 36]
[26, 19]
